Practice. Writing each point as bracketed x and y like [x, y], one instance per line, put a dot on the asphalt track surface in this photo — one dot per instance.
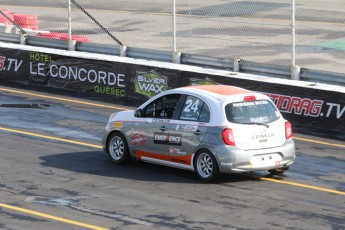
[54, 175]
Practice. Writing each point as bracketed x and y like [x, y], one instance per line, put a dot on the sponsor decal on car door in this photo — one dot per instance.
[191, 126]
[142, 138]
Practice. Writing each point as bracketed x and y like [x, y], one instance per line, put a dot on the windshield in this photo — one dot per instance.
[246, 112]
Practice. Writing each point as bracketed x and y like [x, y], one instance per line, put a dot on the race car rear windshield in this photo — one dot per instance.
[259, 111]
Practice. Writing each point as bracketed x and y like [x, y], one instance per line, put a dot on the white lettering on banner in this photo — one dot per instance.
[151, 80]
[15, 63]
[40, 69]
[82, 70]
[63, 72]
[112, 81]
[339, 111]
[92, 76]
[150, 87]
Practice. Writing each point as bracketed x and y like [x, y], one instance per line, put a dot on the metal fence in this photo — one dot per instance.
[254, 31]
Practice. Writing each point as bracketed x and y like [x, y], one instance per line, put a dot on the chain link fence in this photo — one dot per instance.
[255, 31]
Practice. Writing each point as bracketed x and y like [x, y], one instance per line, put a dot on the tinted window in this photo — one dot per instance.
[205, 114]
[195, 109]
[260, 111]
[163, 107]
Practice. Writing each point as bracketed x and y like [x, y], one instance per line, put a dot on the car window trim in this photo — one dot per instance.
[179, 107]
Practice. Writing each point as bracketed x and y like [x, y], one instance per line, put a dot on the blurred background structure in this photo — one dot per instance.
[253, 31]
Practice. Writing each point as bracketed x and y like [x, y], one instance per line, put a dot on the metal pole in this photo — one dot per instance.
[174, 25]
[176, 56]
[295, 70]
[293, 32]
[71, 43]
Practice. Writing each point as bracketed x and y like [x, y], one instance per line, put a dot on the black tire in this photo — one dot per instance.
[206, 166]
[118, 148]
[278, 171]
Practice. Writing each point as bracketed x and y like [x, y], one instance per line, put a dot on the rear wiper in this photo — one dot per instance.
[255, 123]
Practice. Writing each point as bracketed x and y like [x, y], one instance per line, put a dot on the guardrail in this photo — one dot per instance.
[236, 65]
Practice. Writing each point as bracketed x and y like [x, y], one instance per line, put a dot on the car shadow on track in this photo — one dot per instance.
[98, 163]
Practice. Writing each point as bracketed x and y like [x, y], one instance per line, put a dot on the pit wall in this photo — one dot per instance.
[311, 107]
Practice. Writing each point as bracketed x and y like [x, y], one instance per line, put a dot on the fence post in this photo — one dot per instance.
[176, 56]
[295, 70]
[174, 25]
[236, 64]
[71, 43]
[123, 51]
[23, 38]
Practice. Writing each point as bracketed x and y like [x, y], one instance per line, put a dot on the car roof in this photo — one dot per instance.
[224, 90]
[219, 92]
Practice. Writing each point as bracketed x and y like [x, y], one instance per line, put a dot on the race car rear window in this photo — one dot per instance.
[259, 111]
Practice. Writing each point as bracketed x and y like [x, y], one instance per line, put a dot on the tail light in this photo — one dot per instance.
[249, 98]
[288, 130]
[228, 137]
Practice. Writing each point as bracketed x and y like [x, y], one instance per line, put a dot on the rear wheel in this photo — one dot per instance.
[118, 149]
[206, 166]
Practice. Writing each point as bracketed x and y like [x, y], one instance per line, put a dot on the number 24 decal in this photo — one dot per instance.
[191, 106]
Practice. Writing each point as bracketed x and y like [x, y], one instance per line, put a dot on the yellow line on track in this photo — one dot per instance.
[51, 137]
[302, 185]
[319, 142]
[62, 99]
[51, 217]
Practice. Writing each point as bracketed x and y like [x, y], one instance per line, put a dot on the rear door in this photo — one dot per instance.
[188, 129]
[256, 124]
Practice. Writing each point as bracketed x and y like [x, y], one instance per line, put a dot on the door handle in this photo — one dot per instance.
[198, 132]
[163, 128]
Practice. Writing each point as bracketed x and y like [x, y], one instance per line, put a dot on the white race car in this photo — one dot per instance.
[209, 129]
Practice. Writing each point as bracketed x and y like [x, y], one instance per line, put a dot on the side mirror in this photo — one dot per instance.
[137, 113]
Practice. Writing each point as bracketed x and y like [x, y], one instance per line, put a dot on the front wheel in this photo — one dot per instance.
[118, 149]
[206, 166]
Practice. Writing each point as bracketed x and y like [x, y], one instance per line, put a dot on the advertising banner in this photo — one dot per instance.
[310, 110]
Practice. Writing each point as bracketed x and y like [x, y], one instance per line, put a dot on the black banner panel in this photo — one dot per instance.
[310, 110]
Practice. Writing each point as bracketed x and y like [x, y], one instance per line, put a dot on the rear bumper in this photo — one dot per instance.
[235, 160]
